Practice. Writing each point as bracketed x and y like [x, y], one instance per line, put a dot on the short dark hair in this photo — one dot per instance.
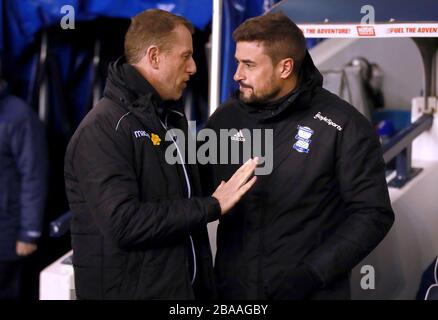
[151, 27]
[281, 37]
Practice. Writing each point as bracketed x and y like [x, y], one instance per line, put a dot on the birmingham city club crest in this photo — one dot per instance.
[303, 139]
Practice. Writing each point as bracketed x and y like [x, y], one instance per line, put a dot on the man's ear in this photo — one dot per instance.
[286, 67]
[152, 56]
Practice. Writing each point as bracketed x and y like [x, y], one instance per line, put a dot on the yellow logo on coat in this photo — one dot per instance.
[155, 139]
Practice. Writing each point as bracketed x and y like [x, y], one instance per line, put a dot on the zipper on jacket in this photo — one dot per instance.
[189, 190]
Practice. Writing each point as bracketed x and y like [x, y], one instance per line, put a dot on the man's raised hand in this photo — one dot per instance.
[229, 193]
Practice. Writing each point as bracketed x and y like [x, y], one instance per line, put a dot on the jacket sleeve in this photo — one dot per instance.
[103, 163]
[29, 147]
[368, 216]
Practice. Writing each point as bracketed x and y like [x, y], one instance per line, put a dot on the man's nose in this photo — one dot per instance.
[238, 75]
[191, 68]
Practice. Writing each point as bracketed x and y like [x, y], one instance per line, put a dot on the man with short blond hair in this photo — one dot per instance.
[153, 27]
[139, 225]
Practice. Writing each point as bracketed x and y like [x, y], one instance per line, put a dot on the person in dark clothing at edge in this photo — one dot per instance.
[23, 186]
[139, 226]
[325, 206]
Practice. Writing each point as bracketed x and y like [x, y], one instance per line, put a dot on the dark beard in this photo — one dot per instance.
[259, 100]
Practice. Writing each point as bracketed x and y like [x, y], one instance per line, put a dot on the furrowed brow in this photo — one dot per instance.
[245, 61]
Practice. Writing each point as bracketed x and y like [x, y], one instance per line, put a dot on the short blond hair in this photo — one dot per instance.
[151, 27]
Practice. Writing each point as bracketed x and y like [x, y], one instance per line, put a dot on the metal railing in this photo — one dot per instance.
[400, 148]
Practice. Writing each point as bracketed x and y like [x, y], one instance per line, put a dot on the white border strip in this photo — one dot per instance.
[215, 56]
[387, 30]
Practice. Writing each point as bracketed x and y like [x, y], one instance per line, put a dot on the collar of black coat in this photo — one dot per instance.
[127, 85]
[137, 83]
[269, 109]
[299, 98]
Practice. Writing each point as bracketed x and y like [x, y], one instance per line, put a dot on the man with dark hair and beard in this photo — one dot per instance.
[325, 206]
